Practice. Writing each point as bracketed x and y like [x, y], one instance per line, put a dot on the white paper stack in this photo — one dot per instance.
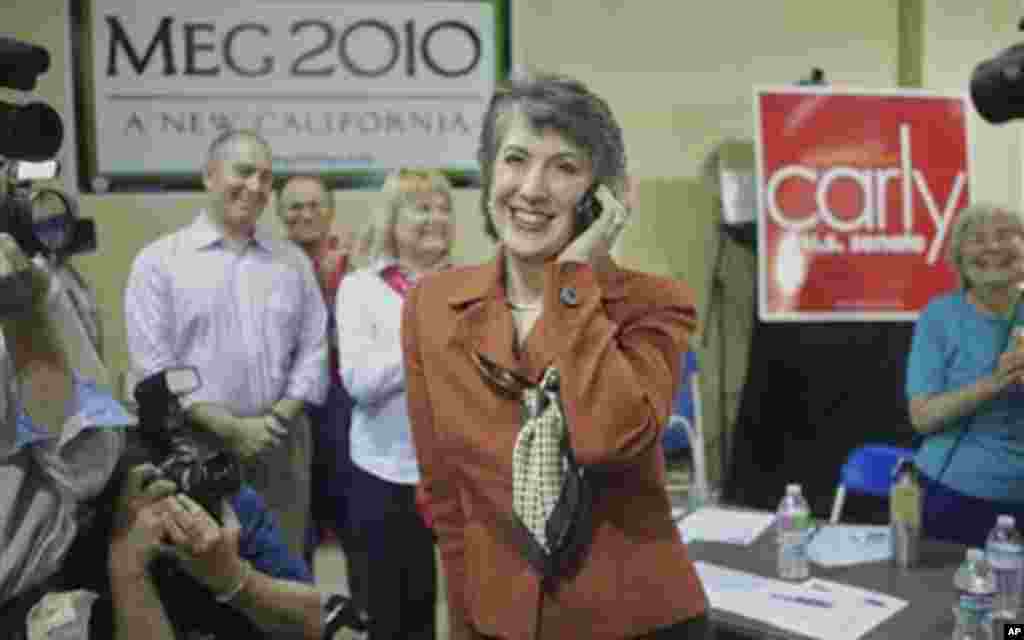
[730, 526]
[845, 545]
[814, 608]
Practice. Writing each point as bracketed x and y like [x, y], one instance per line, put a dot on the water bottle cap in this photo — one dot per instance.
[974, 555]
[1005, 521]
[793, 490]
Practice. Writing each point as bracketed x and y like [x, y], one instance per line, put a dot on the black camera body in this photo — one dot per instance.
[35, 131]
[997, 84]
[206, 477]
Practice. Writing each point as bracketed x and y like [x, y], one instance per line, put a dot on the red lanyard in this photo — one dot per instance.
[396, 279]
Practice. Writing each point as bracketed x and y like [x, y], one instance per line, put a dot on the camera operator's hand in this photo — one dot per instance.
[252, 436]
[141, 529]
[206, 550]
[140, 520]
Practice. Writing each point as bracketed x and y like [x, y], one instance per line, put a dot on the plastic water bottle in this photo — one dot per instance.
[793, 524]
[905, 515]
[976, 592]
[1004, 551]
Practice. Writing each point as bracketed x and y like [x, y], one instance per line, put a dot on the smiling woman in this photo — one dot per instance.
[410, 238]
[538, 177]
[964, 381]
[551, 306]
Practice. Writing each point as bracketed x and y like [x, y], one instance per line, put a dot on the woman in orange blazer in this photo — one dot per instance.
[552, 296]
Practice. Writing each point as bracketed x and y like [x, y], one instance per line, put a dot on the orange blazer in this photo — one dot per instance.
[616, 337]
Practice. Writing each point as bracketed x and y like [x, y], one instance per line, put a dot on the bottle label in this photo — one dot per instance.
[1007, 562]
[976, 607]
[905, 505]
[1005, 551]
[793, 547]
[794, 521]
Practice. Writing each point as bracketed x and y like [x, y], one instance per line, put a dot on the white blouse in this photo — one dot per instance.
[369, 319]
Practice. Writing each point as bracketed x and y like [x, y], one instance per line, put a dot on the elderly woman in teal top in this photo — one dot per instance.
[965, 382]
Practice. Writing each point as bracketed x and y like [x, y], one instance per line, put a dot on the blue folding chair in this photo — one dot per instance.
[675, 440]
[867, 470]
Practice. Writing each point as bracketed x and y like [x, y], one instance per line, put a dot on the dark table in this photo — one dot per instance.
[928, 588]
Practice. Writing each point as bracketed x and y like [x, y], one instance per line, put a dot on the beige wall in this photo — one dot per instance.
[957, 37]
[680, 82]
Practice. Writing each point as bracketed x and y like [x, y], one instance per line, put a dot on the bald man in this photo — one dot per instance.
[245, 309]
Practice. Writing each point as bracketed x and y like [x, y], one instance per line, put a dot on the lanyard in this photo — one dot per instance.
[1012, 317]
[396, 279]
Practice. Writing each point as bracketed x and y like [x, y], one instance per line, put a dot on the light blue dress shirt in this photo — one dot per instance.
[253, 323]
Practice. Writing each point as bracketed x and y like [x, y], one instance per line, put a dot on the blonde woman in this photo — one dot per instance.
[410, 237]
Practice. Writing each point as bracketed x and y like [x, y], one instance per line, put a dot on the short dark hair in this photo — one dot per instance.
[548, 100]
[310, 177]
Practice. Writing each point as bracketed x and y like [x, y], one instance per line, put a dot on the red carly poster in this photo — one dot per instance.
[857, 193]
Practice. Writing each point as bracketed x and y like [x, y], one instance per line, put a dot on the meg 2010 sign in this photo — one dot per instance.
[857, 195]
[334, 86]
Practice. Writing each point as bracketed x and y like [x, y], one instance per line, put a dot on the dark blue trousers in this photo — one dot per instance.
[954, 517]
[401, 574]
[331, 480]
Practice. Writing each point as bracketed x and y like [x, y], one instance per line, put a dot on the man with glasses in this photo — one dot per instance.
[306, 208]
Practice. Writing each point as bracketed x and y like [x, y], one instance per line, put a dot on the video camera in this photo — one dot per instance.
[42, 220]
[997, 85]
[205, 477]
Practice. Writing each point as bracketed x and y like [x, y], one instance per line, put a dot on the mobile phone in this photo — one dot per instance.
[587, 209]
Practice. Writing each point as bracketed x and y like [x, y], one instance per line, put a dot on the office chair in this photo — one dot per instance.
[868, 469]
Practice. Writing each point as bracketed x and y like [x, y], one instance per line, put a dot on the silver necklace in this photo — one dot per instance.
[523, 307]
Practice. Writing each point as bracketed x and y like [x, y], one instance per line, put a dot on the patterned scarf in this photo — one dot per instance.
[538, 464]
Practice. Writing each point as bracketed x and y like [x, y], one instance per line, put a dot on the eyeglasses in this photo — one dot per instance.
[504, 380]
[1001, 236]
[314, 205]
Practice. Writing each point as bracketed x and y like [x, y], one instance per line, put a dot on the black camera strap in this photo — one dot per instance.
[1012, 318]
[14, 612]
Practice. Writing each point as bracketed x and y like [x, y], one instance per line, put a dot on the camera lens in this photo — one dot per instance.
[31, 132]
[997, 86]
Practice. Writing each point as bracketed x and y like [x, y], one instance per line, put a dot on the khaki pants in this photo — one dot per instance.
[282, 476]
